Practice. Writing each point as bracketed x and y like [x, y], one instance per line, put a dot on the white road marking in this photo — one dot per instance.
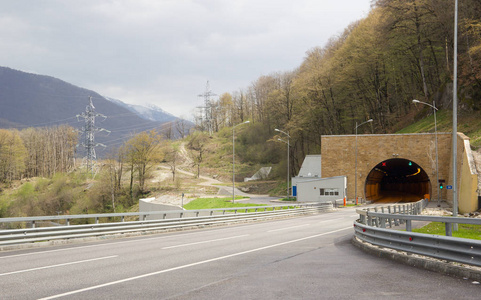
[204, 242]
[97, 245]
[287, 228]
[59, 265]
[113, 243]
[331, 220]
[190, 265]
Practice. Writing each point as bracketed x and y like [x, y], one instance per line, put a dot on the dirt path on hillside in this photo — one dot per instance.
[186, 162]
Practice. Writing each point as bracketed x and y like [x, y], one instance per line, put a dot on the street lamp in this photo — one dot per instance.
[455, 115]
[233, 160]
[355, 175]
[287, 193]
[288, 146]
[435, 144]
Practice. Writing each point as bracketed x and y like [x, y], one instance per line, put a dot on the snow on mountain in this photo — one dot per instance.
[150, 112]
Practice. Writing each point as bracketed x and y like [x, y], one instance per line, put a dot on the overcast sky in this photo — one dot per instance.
[164, 51]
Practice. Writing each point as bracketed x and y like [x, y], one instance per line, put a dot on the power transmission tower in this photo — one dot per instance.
[89, 130]
[206, 122]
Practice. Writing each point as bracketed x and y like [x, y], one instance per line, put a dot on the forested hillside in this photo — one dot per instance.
[403, 50]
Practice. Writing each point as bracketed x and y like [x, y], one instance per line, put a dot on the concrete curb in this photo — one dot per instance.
[423, 262]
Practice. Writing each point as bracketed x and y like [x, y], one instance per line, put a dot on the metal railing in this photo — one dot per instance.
[185, 219]
[372, 227]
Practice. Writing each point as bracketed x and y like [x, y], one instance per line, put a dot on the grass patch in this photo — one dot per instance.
[209, 203]
[290, 199]
[466, 231]
[427, 124]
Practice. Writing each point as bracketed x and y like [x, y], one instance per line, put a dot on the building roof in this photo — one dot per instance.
[311, 167]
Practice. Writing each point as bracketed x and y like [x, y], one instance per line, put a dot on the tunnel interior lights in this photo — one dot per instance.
[382, 171]
[414, 174]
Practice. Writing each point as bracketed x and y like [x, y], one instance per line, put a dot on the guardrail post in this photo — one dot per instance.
[96, 220]
[383, 222]
[408, 225]
[68, 222]
[369, 218]
[197, 214]
[123, 218]
[375, 219]
[33, 224]
[181, 215]
[448, 227]
[389, 219]
[402, 210]
[362, 219]
[396, 221]
[164, 216]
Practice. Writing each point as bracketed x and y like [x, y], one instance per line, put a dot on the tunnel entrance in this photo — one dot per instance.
[397, 180]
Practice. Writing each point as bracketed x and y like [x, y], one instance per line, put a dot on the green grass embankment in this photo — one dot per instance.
[209, 203]
[466, 231]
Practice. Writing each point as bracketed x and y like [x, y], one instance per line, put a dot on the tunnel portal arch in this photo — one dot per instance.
[397, 180]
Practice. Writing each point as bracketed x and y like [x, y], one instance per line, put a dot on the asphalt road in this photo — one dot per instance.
[299, 258]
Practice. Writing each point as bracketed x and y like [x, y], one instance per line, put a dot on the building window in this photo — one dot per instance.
[329, 192]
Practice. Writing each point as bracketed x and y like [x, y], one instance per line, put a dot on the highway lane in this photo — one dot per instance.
[299, 258]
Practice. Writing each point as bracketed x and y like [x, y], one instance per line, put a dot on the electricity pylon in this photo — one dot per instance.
[89, 130]
[206, 110]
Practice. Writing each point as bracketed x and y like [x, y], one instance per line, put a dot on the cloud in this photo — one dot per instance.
[164, 51]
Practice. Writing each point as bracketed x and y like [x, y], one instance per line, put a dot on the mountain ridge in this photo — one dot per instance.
[33, 100]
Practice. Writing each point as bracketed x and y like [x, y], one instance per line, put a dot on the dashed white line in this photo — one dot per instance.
[204, 242]
[59, 265]
[287, 228]
[190, 265]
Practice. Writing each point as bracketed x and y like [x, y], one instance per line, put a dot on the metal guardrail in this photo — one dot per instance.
[209, 217]
[372, 226]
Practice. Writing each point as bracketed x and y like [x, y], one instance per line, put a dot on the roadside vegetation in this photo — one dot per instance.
[466, 231]
[209, 203]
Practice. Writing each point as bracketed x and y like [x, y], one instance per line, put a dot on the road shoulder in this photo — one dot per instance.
[459, 270]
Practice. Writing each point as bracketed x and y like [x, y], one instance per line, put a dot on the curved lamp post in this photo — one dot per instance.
[233, 160]
[355, 175]
[436, 143]
[288, 146]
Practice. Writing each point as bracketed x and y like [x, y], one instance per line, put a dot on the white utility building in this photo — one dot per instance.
[308, 186]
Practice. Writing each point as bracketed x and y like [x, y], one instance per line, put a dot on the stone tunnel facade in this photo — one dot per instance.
[375, 152]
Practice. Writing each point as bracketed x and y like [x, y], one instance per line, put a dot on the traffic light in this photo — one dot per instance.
[410, 163]
[441, 185]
